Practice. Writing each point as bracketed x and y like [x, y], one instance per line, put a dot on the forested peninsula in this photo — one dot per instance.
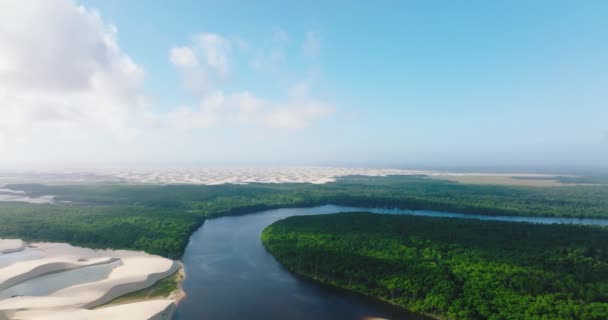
[452, 268]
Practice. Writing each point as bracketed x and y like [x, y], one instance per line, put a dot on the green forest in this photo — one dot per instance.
[452, 268]
[406, 192]
[159, 219]
[159, 231]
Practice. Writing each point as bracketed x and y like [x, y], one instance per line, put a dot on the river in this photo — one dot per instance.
[230, 275]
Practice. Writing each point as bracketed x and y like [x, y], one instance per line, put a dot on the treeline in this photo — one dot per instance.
[406, 192]
[157, 231]
[453, 268]
[159, 219]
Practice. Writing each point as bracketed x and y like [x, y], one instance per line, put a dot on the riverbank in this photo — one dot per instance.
[227, 265]
[167, 288]
[179, 294]
[58, 281]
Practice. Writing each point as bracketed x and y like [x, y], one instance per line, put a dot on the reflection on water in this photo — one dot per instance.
[230, 275]
[47, 284]
[440, 214]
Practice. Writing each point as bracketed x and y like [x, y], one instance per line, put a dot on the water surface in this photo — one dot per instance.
[47, 284]
[230, 275]
[19, 256]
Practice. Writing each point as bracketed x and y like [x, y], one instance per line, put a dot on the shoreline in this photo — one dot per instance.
[349, 291]
[179, 294]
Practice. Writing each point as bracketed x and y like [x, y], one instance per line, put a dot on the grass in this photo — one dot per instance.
[505, 180]
[162, 289]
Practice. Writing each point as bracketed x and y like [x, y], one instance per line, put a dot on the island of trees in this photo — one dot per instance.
[452, 268]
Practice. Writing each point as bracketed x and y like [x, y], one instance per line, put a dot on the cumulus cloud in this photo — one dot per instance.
[61, 67]
[297, 110]
[183, 57]
[297, 114]
[215, 49]
[203, 61]
[193, 75]
[248, 106]
[69, 91]
[294, 112]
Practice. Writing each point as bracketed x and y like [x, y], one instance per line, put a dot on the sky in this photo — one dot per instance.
[375, 83]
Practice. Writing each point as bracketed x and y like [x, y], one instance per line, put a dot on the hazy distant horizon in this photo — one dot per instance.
[499, 169]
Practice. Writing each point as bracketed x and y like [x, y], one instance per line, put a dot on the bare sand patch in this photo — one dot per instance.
[131, 271]
[153, 309]
[11, 245]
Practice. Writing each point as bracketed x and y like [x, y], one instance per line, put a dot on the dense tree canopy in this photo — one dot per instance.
[159, 219]
[407, 192]
[453, 268]
[159, 231]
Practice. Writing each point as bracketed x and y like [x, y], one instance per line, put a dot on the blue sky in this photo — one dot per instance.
[418, 83]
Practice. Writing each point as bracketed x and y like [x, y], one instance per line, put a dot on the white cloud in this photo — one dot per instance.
[183, 57]
[207, 114]
[244, 107]
[69, 92]
[206, 59]
[215, 50]
[311, 47]
[298, 110]
[248, 106]
[193, 76]
[296, 116]
[187, 118]
[62, 68]
[299, 90]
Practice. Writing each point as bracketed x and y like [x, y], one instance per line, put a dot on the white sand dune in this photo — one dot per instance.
[11, 245]
[152, 309]
[245, 175]
[203, 175]
[195, 175]
[131, 271]
[10, 191]
[21, 271]
[22, 198]
[17, 256]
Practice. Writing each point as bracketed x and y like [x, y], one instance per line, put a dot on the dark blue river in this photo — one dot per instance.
[230, 275]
